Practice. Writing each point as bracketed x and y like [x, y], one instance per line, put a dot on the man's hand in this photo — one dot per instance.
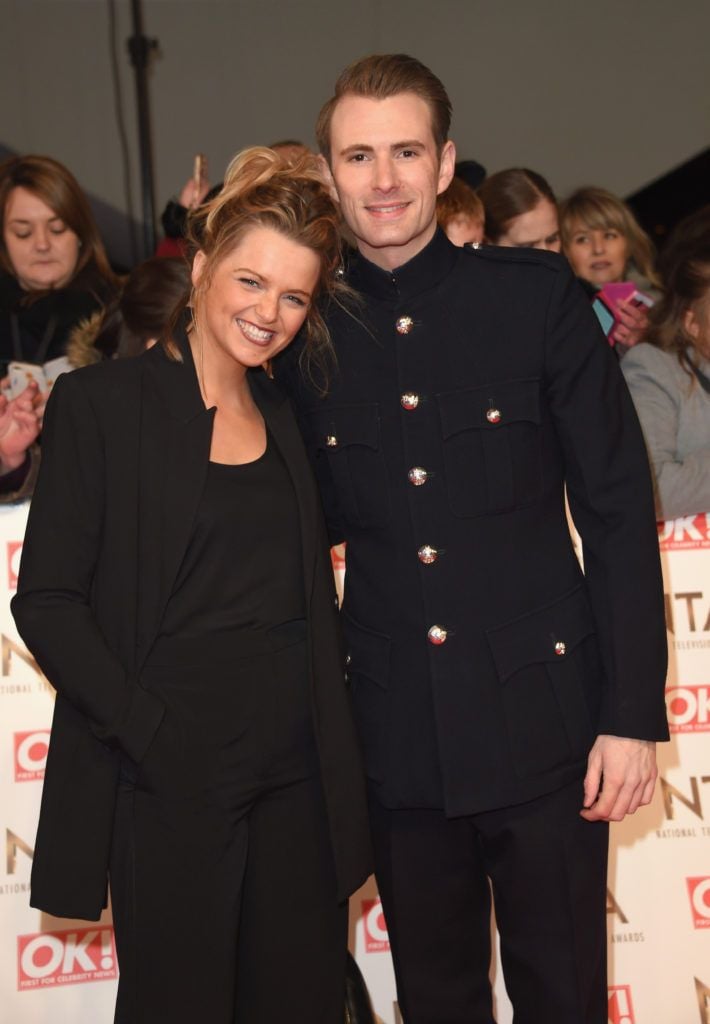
[621, 774]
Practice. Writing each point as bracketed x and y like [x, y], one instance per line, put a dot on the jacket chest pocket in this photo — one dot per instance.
[349, 437]
[492, 447]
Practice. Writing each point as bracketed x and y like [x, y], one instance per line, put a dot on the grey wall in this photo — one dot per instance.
[613, 93]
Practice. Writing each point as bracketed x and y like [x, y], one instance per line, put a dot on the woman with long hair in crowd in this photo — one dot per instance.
[520, 210]
[176, 589]
[53, 272]
[605, 244]
[54, 268]
[669, 380]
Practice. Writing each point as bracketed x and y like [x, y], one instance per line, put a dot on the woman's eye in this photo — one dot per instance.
[249, 282]
[296, 300]
[357, 158]
[580, 240]
[22, 234]
[58, 229]
[612, 234]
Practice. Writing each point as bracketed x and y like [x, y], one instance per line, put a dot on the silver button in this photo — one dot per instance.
[409, 400]
[560, 648]
[348, 658]
[332, 441]
[417, 476]
[493, 415]
[427, 554]
[404, 325]
[437, 635]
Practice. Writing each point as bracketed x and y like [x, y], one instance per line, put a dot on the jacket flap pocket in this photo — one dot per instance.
[368, 652]
[548, 634]
[341, 426]
[490, 407]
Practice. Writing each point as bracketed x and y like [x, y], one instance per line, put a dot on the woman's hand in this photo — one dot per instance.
[19, 426]
[633, 323]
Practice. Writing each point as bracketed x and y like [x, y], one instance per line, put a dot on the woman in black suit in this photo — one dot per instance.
[176, 590]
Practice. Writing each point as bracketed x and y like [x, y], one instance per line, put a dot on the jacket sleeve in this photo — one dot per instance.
[611, 500]
[52, 607]
[682, 481]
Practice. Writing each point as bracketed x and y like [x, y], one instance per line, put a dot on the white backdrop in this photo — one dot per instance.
[659, 882]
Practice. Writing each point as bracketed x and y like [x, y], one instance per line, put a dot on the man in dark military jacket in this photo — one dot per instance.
[508, 704]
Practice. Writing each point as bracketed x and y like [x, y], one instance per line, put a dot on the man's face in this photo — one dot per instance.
[387, 174]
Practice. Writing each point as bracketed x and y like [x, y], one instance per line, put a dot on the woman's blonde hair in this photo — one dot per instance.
[262, 189]
[597, 209]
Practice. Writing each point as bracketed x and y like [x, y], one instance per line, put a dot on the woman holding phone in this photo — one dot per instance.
[176, 589]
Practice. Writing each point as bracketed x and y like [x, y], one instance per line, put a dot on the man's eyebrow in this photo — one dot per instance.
[361, 147]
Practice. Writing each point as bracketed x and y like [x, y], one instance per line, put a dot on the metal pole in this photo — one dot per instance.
[140, 48]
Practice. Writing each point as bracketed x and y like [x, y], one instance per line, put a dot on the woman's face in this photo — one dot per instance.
[598, 255]
[258, 297]
[536, 229]
[42, 249]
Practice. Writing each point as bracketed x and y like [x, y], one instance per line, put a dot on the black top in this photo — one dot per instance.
[243, 565]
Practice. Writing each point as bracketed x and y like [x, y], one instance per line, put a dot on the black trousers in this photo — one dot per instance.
[222, 876]
[547, 871]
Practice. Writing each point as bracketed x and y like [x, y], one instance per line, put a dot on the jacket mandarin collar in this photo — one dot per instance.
[423, 272]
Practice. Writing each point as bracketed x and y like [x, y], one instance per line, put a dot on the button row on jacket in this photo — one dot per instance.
[427, 554]
[437, 635]
[417, 476]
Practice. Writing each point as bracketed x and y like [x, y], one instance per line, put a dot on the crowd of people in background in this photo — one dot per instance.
[62, 305]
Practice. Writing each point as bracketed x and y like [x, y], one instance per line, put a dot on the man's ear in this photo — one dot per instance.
[447, 166]
[327, 174]
[198, 266]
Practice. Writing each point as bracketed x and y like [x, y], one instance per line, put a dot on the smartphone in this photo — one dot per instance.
[198, 169]
[21, 374]
[604, 316]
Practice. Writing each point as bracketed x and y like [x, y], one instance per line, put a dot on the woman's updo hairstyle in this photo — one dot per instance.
[263, 190]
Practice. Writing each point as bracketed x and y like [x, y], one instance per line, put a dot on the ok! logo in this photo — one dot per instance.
[66, 957]
[621, 1009]
[14, 552]
[376, 937]
[699, 893]
[31, 754]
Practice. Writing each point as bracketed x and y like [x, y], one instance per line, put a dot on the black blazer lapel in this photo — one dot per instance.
[281, 423]
[176, 433]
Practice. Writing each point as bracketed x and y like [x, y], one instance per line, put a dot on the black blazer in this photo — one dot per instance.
[487, 370]
[125, 455]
